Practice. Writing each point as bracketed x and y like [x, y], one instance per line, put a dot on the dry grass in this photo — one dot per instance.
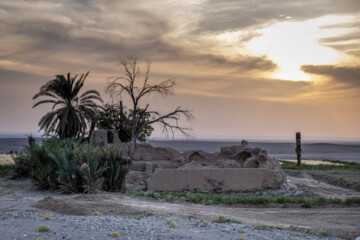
[313, 162]
[6, 159]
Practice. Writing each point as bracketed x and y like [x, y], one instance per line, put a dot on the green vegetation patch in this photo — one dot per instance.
[341, 165]
[145, 214]
[5, 170]
[229, 199]
[204, 224]
[47, 216]
[44, 228]
[322, 233]
[300, 235]
[96, 213]
[223, 219]
[115, 234]
[173, 224]
[262, 227]
[70, 166]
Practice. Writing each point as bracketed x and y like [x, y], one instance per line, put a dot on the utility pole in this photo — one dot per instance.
[298, 148]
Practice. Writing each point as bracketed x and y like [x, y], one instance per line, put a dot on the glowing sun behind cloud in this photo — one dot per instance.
[281, 41]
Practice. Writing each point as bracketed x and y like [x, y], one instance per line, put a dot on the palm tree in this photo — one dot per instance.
[74, 113]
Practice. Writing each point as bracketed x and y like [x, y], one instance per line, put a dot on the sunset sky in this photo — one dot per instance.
[248, 69]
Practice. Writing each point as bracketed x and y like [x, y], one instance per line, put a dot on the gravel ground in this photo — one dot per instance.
[20, 219]
[24, 225]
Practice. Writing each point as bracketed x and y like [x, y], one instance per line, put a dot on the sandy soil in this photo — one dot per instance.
[342, 222]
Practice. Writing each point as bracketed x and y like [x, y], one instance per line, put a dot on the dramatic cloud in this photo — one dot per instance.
[346, 75]
[258, 55]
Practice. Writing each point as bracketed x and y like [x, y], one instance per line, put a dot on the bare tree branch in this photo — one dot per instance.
[127, 84]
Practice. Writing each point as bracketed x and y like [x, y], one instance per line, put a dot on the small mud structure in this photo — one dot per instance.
[233, 169]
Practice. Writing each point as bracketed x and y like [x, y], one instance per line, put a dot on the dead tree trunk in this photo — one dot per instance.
[298, 148]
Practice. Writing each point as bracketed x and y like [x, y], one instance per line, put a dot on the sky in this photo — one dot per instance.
[247, 69]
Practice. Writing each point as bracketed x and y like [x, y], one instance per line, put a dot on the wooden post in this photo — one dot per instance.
[121, 107]
[298, 148]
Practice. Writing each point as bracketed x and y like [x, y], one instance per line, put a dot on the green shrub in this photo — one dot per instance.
[70, 166]
[44, 228]
[138, 217]
[116, 169]
[322, 233]
[300, 235]
[148, 214]
[173, 224]
[221, 219]
[96, 213]
[262, 227]
[204, 224]
[5, 170]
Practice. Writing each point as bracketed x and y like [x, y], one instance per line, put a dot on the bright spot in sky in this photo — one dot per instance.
[293, 44]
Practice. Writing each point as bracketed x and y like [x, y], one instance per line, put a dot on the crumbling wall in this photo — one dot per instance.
[237, 168]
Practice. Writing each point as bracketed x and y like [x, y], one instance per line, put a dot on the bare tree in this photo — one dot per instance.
[136, 89]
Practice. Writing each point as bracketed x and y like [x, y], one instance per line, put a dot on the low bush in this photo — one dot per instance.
[204, 224]
[322, 233]
[173, 224]
[70, 166]
[262, 227]
[223, 219]
[5, 170]
[96, 213]
[44, 228]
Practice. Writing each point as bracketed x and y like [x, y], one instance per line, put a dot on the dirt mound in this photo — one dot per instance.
[84, 205]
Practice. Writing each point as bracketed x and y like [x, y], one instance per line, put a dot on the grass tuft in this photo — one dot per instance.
[115, 234]
[47, 216]
[322, 233]
[242, 230]
[173, 224]
[44, 228]
[148, 214]
[262, 227]
[39, 238]
[96, 213]
[204, 224]
[223, 219]
[145, 214]
[138, 217]
[300, 235]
